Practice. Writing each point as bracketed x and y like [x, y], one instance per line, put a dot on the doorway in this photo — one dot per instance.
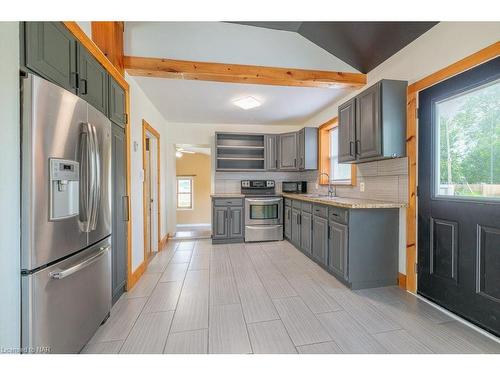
[151, 189]
[193, 189]
[459, 195]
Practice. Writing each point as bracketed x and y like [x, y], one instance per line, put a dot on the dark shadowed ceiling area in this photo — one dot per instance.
[363, 45]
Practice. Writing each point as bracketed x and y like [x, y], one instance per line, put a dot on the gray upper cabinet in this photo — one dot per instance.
[92, 80]
[50, 51]
[372, 126]
[320, 239]
[288, 151]
[337, 249]
[347, 131]
[271, 154]
[306, 228]
[307, 149]
[301, 152]
[116, 105]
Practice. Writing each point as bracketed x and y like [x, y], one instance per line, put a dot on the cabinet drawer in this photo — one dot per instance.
[288, 202]
[321, 211]
[228, 202]
[307, 207]
[338, 214]
[297, 204]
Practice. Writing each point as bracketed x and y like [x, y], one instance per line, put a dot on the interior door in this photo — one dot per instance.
[147, 198]
[459, 195]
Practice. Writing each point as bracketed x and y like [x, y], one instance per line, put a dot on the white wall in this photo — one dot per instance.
[142, 108]
[10, 268]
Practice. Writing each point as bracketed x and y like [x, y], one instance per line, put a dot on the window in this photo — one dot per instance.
[467, 156]
[340, 174]
[184, 193]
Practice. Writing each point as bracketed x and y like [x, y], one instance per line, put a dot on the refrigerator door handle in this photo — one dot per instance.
[86, 177]
[96, 171]
[59, 274]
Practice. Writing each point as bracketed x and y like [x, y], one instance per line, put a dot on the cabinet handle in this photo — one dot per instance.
[83, 86]
[276, 163]
[300, 219]
[74, 80]
[294, 162]
[358, 147]
[351, 144]
[329, 231]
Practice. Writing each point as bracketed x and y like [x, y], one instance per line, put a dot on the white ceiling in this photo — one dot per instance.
[211, 102]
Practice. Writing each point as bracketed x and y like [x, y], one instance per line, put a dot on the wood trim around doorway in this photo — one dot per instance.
[147, 128]
[460, 66]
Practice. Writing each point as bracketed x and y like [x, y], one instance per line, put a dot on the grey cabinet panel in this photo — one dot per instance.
[116, 105]
[306, 232]
[337, 249]
[320, 239]
[347, 131]
[120, 211]
[296, 227]
[307, 148]
[236, 222]
[368, 123]
[288, 222]
[301, 151]
[92, 80]
[50, 51]
[271, 154]
[288, 151]
[220, 223]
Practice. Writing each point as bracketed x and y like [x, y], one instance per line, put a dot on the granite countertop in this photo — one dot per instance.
[344, 201]
[227, 195]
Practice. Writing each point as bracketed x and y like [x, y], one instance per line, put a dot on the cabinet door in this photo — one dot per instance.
[347, 131]
[288, 151]
[301, 150]
[288, 222]
[120, 211]
[296, 227]
[368, 123]
[271, 154]
[50, 51]
[337, 249]
[116, 103]
[220, 222]
[93, 81]
[320, 239]
[306, 232]
[236, 222]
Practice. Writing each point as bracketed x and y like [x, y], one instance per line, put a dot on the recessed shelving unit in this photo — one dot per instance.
[239, 152]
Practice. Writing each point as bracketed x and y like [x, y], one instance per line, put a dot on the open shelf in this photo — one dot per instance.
[240, 152]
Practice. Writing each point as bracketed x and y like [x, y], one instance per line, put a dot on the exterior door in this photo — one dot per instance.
[459, 195]
[347, 131]
[368, 123]
[288, 151]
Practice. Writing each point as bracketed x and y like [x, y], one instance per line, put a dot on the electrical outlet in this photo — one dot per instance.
[361, 186]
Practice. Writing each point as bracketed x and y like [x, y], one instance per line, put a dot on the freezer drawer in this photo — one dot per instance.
[64, 304]
[257, 233]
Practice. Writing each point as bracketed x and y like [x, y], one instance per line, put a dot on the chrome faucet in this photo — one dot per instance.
[331, 192]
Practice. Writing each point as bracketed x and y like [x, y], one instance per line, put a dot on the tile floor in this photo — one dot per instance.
[196, 297]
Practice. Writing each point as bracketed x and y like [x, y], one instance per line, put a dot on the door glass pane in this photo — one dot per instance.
[264, 212]
[468, 144]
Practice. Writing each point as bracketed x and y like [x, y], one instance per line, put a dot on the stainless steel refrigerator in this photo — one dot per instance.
[65, 218]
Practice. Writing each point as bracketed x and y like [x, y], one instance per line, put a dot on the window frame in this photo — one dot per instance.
[325, 157]
[191, 193]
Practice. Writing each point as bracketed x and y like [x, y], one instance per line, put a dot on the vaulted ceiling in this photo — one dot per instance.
[363, 45]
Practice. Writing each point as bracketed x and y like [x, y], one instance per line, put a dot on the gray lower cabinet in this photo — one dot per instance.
[92, 80]
[320, 239]
[50, 51]
[288, 151]
[120, 209]
[296, 227]
[337, 249]
[306, 229]
[288, 222]
[271, 154]
[227, 220]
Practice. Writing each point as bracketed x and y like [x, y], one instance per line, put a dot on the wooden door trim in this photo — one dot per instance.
[147, 128]
[458, 67]
[237, 73]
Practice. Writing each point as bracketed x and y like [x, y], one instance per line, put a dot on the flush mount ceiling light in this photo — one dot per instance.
[247, 103]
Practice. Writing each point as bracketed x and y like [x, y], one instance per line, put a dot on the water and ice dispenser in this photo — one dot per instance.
[64, 189]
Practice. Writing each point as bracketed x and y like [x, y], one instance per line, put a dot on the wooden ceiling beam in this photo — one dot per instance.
[235, 73]
[108, 36]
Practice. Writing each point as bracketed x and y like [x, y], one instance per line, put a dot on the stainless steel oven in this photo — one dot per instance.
[263, 219]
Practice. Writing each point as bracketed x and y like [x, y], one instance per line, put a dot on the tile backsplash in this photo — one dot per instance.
[385, 180]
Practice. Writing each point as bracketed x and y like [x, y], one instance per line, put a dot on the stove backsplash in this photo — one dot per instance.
[385, 180]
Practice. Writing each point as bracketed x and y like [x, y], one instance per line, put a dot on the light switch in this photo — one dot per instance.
[361, 186]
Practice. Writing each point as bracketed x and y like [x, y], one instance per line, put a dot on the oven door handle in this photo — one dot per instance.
[264, 201]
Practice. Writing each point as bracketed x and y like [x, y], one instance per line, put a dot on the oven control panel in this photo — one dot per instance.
[258, 187]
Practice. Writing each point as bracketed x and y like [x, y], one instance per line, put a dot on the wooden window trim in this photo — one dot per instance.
[324, 154]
